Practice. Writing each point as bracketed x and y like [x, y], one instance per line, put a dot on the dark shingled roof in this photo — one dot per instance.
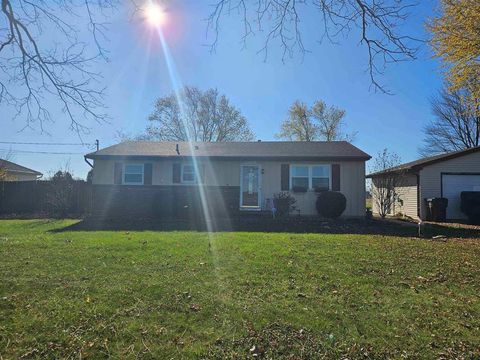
[417, 165]
[303, 150]
[12, 167]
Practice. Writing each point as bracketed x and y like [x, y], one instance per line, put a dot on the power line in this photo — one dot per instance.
[45, 143]
[41, 152]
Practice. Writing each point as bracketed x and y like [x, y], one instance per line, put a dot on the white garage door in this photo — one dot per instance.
[452, 186]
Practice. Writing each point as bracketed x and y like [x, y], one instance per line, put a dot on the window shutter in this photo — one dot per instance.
[117, 173]
[177, 173]
[285, 177]
[335, 177]
[147, 174]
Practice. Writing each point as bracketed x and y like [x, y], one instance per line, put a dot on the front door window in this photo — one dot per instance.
[250, 186]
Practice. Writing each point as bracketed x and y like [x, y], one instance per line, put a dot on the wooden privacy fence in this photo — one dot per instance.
[45, 197]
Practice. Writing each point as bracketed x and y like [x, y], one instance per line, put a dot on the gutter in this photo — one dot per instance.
[37, 174]
[386, 172]
[235, 157]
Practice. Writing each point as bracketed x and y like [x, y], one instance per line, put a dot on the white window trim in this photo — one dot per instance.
[310, 175]
[195, 175]
[133, 183]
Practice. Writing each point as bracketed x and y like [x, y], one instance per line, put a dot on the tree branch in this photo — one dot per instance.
[377, 24]
[32, 72]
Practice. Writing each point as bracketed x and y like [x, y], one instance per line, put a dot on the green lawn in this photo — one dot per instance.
[156, 295]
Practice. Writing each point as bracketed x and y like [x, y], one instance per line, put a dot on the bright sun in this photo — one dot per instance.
[155, 14]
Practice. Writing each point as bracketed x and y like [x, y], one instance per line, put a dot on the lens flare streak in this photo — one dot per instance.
[177, 87]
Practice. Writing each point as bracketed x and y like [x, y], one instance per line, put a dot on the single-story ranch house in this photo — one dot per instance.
[445, 175]
[138, 177]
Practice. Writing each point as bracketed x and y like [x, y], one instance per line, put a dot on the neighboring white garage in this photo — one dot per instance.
[452, 186]
[445, 175]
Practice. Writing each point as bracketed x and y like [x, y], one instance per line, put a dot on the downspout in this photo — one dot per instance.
[419, 204]
[88, 162]
[91, 204]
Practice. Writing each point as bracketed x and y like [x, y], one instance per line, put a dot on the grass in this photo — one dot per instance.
[133, 294]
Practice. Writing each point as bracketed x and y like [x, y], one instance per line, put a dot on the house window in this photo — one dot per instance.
[133, 174]
[188, 173]
[310, 177]
[321, 177]
[300, 175]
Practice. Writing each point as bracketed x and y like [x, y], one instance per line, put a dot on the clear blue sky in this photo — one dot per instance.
[262, 90]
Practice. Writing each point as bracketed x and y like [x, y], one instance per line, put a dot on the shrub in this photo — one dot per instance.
[284, 203]
[331, 204]
[474, 216]
[470, 205]
[60, 197]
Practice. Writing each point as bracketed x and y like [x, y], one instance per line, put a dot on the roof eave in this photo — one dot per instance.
[94, 156]
[448, 157]
[417, 167]
[412, 170]
[32, 172]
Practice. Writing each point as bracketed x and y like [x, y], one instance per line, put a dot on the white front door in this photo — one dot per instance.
[250, 192]
[452, 186]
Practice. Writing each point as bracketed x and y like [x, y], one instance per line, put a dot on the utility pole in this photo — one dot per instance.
[97, 144]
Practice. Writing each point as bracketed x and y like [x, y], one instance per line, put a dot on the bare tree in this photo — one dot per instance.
[317, 123]
[123, 136]
[197, 116]
[299, 125]
[387, 177]
[45, 55]
[376, 23]
[456, 123]
[60, 197]
[330, 122]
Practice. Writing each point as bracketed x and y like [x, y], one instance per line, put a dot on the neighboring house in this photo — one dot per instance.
[10, 171]
[136, 177]
[445, 175]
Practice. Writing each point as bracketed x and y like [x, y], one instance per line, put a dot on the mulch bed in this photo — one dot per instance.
[293, 224]
[264, 223]
[455, 225]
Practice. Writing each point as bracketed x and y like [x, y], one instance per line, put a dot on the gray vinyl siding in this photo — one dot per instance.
[430, 176]
[407, 193]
